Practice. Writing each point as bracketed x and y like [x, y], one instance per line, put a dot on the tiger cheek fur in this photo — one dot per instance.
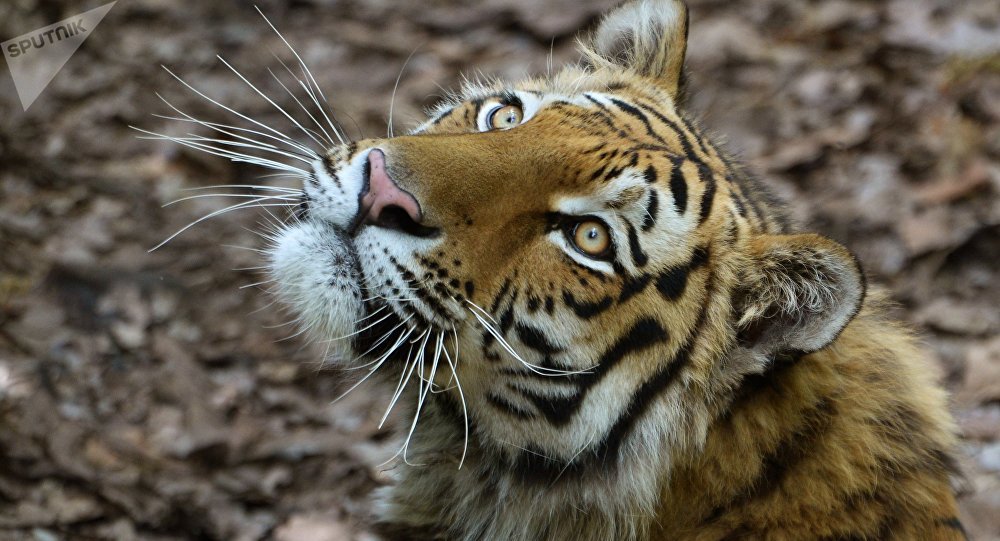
[616, 332]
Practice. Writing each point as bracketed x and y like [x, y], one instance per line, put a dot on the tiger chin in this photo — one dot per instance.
[603, 329]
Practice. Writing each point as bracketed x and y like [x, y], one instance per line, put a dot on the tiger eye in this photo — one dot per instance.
[592, 237]
[505, 117]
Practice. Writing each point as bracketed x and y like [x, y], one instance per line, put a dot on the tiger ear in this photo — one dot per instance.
[799, 294]
[647, 37]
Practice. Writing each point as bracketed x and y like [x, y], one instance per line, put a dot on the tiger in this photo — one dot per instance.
[597, 325]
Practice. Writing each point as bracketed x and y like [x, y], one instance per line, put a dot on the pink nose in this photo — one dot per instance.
[384, 194]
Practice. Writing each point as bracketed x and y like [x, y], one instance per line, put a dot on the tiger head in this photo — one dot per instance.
[563, 269]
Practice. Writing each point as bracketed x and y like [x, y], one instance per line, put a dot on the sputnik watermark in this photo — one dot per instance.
[35, 58]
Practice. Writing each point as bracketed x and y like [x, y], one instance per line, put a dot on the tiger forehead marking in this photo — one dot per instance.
[604, 329]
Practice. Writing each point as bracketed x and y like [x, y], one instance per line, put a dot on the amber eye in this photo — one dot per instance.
[504, 117]
[592, 238]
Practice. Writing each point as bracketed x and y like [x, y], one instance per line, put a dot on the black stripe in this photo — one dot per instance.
[442, 116]
[706, 176]
[613, 173]
[639, 257]
[505, 406]
[503, 292]
[534, 468]
[649, 174]
[331, 170]
[557, 410]
[642, 335]
[652, 388]
[752, 385]
[584, 309]
[738, 201]
[598, 173]
[633, 286]
[535, 339]
[506, 319]
[634, 111]
[685, 143]
[672, 282]
[695, 134]
[599, 105]
[652, 209]
[678, 185]
[789, 454]
[433, 304]
[955, 524]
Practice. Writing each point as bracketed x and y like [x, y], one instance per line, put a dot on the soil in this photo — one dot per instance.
[159, 395]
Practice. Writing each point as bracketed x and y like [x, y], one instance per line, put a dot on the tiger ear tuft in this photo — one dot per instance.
[799, 294]
[647, 37]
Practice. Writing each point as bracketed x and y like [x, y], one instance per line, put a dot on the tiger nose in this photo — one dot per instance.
[385, 204]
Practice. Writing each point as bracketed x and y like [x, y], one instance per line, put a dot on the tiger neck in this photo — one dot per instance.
[495, 494]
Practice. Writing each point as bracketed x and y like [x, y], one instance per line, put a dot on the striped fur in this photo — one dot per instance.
[719, 376]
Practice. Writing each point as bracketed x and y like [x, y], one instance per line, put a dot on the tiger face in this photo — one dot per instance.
[551, 264]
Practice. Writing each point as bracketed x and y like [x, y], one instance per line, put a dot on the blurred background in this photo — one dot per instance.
[158, 396]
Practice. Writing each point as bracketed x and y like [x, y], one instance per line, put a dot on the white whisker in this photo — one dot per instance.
[234, 195]
[325, 134]
[228, 154]
[238, 206]
[407, 372]
[309, 74]
[453, 364]
[219, 127]
[261, 147]
[359, 331]
[384, 357]
[269, 100]
[229, 109]
[247, 186]
[380, 340]
[540, 370]
[392, 99]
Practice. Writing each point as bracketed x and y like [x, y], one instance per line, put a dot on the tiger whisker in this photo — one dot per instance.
[540, 370]
[255, 284]
[233, 195]
[571, 459]
[453, 364]
[250, 142]
[312, 79]
[359, 331]
[226, 128]
[407, 371]
[378, 363]
[237, 247]
[225, 153]
[325, 135]
[238, 206]
[395, 87]
[229, 109]
[304, 330]
[383, 339]
[227, 142]
[307, 88]
[423, 385]
[269, 100]
[248, 186]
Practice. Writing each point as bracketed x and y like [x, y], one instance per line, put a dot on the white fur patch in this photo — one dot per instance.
[315, 270]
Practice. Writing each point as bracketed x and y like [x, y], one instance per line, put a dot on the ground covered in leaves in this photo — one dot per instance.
[152, 396]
